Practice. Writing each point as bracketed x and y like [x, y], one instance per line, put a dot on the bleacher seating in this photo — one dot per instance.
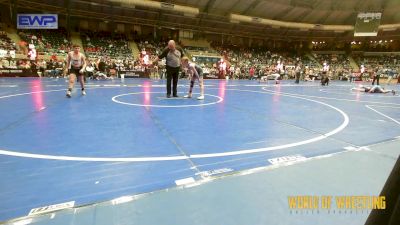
[6, 43]
[105, 44]
[47, 41]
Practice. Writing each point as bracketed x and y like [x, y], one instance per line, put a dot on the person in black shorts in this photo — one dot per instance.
[76, 64]
[173, 57]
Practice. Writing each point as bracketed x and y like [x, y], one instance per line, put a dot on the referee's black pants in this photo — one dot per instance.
[297, 77]
[172, 74]
[376, 77]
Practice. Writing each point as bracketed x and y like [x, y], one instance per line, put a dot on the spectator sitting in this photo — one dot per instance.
[90, 70]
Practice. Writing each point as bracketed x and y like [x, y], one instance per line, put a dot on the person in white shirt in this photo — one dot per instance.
[222, 69]
[90, 70]
[76, 65]
[276, 75]
[325, 77]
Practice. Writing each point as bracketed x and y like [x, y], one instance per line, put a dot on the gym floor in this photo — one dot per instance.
[185, 161]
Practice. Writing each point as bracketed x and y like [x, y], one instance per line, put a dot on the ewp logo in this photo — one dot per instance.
[37, 21]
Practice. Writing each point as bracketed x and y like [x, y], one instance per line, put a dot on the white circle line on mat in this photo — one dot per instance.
[195, 156]
[114, 99]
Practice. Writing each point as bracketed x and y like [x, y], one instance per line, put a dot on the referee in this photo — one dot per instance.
[173, 57]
